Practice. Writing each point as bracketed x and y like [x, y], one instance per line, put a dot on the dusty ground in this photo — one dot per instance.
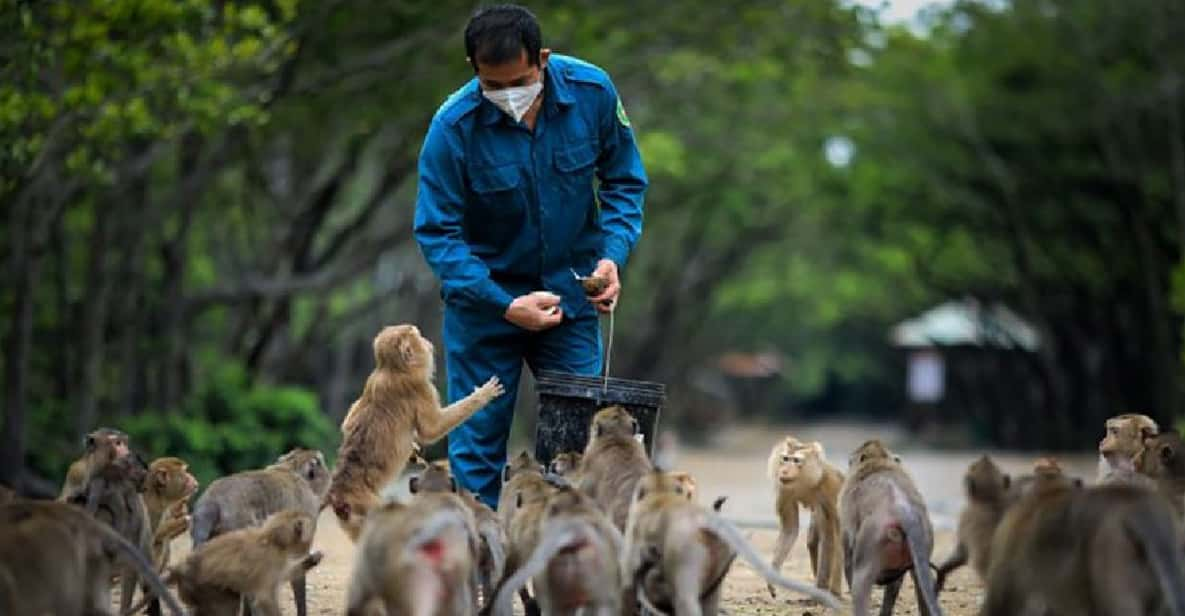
[735, 466]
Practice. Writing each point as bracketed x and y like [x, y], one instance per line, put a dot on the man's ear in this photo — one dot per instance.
[544, 55]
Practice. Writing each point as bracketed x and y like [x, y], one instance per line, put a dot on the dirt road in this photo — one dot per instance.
[735, 466]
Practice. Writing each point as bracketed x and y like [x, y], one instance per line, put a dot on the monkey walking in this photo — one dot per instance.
[491, 563]
[1109, 550]
[988, 497]
[399, 406]
[677, 553]
[886, 531]
[415, 560]
[297, 480]
[56, 559]
[574, 565]
[802, 476]
[613, 462]
[249, 562]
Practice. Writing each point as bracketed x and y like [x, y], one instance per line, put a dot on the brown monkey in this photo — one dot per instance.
[685, 481]
[415, 559]
[398, 407]
[56, 559]
[988, 497]
[566, 465]
[574, 566]
[1123, 441]
[613, 462]
[520, 507]
[252, 562]
[492, 555]
[1042, 467]
[802, 477]
[1108, 550]
[112, 495]
[677, 553]
[1163, 461]
[167, 490]
[886, 531]
[298, 480]
[100, 447]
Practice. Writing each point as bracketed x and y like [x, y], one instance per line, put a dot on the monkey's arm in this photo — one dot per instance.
[432, 424]
[787, 535]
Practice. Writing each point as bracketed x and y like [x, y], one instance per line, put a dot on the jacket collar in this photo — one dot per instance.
[557, 92]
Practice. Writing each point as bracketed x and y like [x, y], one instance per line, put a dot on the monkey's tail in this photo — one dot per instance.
[729, 533]
[1148, 526]
[553, 537]
[492, 534]
[132, 553]
[912, 527]
[168, 579]
[203, 521]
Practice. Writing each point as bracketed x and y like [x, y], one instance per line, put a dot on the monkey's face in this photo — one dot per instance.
[110, 443]
[800, 466]
[564, 463]
[613, 421]
[1124, 438]
[684, 484]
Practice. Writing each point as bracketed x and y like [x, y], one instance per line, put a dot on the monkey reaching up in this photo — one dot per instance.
[1123, 441]
[802, 476]
[988, 497]
[100, 447]
[886, 531]
[399, 406]
[252, 562]
[415, 559]
[613, 462]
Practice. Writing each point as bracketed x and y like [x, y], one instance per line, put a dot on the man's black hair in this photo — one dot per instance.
[499, 34]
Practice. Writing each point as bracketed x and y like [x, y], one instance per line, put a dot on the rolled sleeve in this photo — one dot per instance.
[438, 228]
[623, 181]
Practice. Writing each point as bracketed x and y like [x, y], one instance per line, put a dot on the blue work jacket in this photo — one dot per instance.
[502, 211]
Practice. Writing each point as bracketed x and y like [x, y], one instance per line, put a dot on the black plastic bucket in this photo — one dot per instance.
[567, 403]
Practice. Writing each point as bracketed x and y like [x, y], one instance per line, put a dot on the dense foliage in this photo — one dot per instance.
[207, 204]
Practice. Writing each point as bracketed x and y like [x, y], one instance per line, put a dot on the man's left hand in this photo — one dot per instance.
[607, 300]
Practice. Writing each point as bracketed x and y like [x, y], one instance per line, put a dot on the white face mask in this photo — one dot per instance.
[514, 101]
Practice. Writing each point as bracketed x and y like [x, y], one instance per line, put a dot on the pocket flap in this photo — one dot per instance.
[575, 157]
[494, 178]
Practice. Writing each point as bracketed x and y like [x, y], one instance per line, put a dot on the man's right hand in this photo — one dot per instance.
[535, 311]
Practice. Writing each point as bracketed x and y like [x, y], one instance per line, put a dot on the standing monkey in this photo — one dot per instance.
[886, 531]
[100, 447]
[802, 476]
[398, 407]
[167, 488]
[988, 497]
[613, 462]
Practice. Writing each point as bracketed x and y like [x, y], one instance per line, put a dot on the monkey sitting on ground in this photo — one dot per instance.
[398, 407]
[415, 559]
[802, 476]
[677, 553]
[1109, 550]
[988, 497]
[886, 531]
[297, 480]
[574, 566]
[167, 490]
[251, 562]
[56, 559]
[492, 555]
[613, 462]
[100, 448]
[1123, 441]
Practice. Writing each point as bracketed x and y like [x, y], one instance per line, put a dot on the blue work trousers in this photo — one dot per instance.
[477, 347]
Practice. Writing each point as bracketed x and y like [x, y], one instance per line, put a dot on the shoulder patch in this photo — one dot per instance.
[621, 117]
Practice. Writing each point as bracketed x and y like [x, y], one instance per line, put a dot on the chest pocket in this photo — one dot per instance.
[576, 160]
[496, 192]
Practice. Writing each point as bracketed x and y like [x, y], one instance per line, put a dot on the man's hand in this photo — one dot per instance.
[535, 311]
[607, 300]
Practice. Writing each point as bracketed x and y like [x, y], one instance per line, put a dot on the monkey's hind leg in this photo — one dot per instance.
[889, 599]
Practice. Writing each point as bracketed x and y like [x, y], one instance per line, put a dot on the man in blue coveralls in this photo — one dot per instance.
[507, 209]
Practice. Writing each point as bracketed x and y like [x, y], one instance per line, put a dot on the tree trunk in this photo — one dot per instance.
[175, 255]
[92, 316]
[23, 266]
